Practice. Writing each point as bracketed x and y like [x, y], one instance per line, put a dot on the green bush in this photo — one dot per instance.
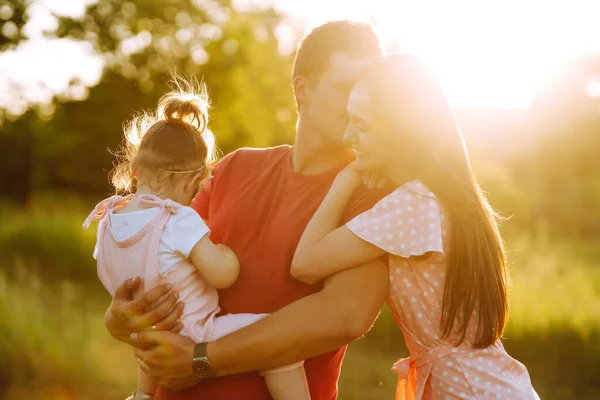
[48, 240]
[54, 337]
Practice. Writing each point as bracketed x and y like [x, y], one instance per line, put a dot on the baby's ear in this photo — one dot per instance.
[194, 181]
[198, 177]
[133, 168]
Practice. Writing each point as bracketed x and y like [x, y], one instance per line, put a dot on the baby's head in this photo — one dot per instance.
[170, 151]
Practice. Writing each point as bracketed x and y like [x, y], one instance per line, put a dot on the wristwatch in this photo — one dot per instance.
[201, 364]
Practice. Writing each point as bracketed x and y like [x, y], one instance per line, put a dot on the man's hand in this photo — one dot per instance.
[341, 312]
[166, 357]
[132, 311]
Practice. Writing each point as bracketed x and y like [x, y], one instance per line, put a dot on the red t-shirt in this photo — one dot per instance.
[257, 205]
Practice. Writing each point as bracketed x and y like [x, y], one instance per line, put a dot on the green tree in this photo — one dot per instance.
[235, 53]
[13, 17]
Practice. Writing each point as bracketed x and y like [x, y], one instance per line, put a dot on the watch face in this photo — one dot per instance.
[202, 368]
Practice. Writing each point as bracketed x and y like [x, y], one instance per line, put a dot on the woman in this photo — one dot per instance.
[448, 277]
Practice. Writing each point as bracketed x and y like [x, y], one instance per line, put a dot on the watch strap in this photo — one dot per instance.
[137, 395]
[200, 350]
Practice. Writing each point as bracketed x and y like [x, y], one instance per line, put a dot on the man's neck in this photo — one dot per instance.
[312, 156]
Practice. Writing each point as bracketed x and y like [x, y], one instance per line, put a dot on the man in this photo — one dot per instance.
[258, 203]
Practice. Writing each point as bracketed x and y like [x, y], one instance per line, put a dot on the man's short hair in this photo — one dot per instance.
[315, 50]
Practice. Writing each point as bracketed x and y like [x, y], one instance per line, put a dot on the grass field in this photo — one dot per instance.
[55, 346]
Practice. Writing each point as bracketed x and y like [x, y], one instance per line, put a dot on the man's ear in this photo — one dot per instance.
[301, 89]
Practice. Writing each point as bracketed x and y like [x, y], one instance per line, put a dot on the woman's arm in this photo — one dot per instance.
[325, 249]
[217, 263]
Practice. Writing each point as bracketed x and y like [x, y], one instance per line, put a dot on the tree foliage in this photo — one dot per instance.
[13, 18]
[142, 42]
[553, 179]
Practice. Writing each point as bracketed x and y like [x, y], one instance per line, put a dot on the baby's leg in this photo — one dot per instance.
[287, 384]
[145, 383]
[284, 383]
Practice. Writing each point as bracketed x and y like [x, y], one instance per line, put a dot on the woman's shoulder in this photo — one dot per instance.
[407, 222]
[415, 188]
[410, 197]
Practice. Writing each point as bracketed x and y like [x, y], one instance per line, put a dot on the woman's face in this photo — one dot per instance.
[371, 142]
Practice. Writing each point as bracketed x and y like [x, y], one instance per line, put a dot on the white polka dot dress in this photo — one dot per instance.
[410, 224]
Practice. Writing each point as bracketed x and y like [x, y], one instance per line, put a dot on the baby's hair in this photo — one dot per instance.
[169, 141]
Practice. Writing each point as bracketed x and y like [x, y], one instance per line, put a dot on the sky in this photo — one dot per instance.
[36, 70]
[487, 53]
[490, 54]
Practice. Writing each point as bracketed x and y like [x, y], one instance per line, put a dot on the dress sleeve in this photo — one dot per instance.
[406, 223]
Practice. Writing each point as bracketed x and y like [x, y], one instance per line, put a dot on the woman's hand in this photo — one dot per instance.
[133, 311]
[352, 176]
[349, 177]
[374, 179]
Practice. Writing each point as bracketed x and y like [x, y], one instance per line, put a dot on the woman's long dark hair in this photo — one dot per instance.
[409, 105]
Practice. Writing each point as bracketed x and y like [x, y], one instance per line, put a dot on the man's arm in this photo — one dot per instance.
[343, 311]
[340, 313]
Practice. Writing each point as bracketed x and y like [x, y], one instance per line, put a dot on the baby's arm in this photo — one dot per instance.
[145, 384]
[188, 234]
[217, 263]
[325, 249]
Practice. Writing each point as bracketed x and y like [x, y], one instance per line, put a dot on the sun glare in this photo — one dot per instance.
[491, 54]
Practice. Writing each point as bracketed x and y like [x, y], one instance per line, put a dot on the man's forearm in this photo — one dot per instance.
[343, 311]
[280, 339]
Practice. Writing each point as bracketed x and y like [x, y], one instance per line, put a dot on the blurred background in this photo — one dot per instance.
[524, 77]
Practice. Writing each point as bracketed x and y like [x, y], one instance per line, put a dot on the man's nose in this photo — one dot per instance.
[349, 136]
